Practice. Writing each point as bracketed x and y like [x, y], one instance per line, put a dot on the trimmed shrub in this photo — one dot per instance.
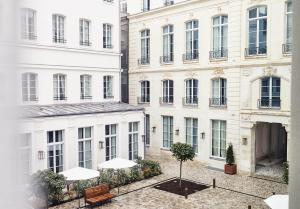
[149, 168]
[229, 155]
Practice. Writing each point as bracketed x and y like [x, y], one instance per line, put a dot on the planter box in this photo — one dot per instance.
[230, 169]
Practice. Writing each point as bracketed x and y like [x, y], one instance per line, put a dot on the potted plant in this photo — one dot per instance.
[230, 167]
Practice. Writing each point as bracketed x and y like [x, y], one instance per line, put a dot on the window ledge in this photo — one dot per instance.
[257, 56]
[190, 61]
[217, 158]
[166, 63]
[219, 59]
[287, 54]
[165, 149]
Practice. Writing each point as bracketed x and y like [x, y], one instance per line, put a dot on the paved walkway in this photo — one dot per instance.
[223, 197]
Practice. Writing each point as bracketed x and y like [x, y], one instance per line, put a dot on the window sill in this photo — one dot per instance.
[190, 61]
[287, 54]
[166, 104]
[217, 158]
[218, 106]
[223, 59]
[165, 149]
[144, 65]
[191, 105]
[144, 103]
[256, 56]
[166, 63]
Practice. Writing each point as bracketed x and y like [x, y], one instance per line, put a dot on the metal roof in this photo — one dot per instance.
[55, 110]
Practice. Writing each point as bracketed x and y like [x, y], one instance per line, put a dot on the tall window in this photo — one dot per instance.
[107, 36]
[85, 147]
[146, 5]
[191, 132]
[147, 128]
[257, 31]
[108, 87]
[29, 87]
[124, 7]
[59, 86]
[145, 92]
[55, 146]
[28, 24]
[168, 44]
[270, 92]
[145, 47]
[25, 156]
[110, 141]
[168, 92]
[85, 87]
[133, 140]
[218, 138]
[220, 32]
[192, 40]
[58, 22]
[219, 92]
[289, 28]
[84, 29]
[167, 131]
[191, 91]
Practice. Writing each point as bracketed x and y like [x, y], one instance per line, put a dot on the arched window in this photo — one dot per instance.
[257, 40]
[168, 92]
[219, 92]
[29, 87]
[220, 34]
[145, 92]
[270, 92]
[191, 92]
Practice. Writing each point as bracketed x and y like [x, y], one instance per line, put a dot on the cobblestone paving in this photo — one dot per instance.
[212, 198]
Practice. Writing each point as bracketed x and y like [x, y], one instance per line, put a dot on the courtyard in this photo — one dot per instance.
[234, 192]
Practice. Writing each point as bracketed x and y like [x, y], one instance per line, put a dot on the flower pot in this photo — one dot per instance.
[230, 169]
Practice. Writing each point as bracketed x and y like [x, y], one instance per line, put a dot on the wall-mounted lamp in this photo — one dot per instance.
[244, 141]
[203, 135]
[41, 155]
[153, 129]
[101, 143]
[177, 132]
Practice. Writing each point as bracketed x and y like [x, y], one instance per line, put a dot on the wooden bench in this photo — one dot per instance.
[98, 194]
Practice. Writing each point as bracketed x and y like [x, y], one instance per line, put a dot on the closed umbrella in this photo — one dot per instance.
[78, 174]
[278, 201]
[117, 164]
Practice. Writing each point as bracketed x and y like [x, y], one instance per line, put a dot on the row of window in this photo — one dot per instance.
[257, 37]
[218, 134]
[30, 87]
[269, 93]
[147, 6]
[29, 29]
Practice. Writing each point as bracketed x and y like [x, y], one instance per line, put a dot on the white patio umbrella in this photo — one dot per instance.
[278, 201]
[117, 164]
[78, 174]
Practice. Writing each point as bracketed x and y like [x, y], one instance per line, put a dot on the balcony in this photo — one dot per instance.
[255, 51]
[145, 9]
[85, 97]
[287, 49]
[218, 102]
[218, 55]
[85, 43]
[60, 40]
[108, 97]
[166, 100]
[166, 59]
[59, 98]
[29, 36]
[190, 57]
[143, 100]
[190, 101]
[144, 61]
[107, 46]
[269, 103]
[30, 99]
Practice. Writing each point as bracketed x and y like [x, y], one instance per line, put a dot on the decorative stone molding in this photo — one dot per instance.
[167, 75]
[218, 72]
[191, 74]
[191, 14]
[143, 77]
[245, 117]
[256, 1]
[246, 72]
[270, 71]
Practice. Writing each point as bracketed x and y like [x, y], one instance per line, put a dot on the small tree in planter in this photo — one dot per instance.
[182, 152]
[230, 167]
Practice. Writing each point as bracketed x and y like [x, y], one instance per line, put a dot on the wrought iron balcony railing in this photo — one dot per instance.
[107, 46]
[144, 61]
[108, 96]
[190, 101]
[166, 100]
[85, 97]
[218, 102]
[190, 57]
[256, 51]
[29, 36]
[218, 54]
[85, 43]
[269, 103]
[143, 100]
[287, 48]
[166, 59]
[59, 40]
[60, 98]
[30, 99]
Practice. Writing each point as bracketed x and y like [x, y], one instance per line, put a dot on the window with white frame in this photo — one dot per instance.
[257, 40]
[145, 92]
[218, 138]
[85, 87]
[55, 147]
[58, 22]
[167, 131]
[145, 47]
[84, 28]
[220, 33]
[25, 156]
[219, 92]
[133, 140]
[168, 92]
[85, 147]
[270, 92]
[107, 36]
[146, 5]
[108, 87]
[28, 24]
[168, 44]
[29, 87]
[192, 40]
[191, 132]
[287, 47]
[191, 91]
[110, 141]
[59, 87]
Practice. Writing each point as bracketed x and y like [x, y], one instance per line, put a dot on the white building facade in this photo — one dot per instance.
[69, 73]
[211, 73]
